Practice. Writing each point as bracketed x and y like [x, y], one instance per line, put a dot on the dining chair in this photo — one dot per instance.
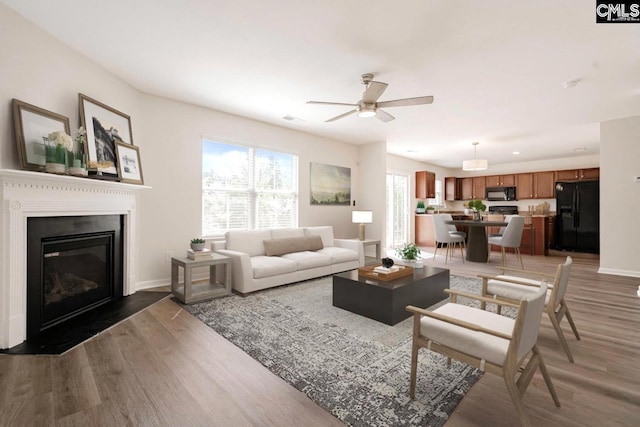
[511, 238]
[452, 228]
[445, 238]
[488, 341]
[514, 287]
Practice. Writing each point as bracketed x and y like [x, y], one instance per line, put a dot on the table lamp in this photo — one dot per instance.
[362, 218]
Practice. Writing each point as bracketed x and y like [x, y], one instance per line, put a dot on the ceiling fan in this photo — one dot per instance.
[368, 105]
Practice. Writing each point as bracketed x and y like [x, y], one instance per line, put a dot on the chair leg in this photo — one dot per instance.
[446, 254]
[435, 251]
[514, 392]
[488, 252]
[545, 375]
[414, 369]
[556, 325]
[570, 319]
[519, 256]
[504, 257]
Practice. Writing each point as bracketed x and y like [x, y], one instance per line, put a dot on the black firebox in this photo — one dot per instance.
[74, 264]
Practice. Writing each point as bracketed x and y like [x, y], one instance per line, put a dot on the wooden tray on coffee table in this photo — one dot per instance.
[370, 274]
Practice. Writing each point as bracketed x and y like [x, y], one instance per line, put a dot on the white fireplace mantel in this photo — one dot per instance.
[27, 194]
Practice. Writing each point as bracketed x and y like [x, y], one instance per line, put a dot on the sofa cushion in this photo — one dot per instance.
[276, 247]
[281, 233]
[307, 259]
[267, 266]
[339, 255]
[325, 232]
[247, 241]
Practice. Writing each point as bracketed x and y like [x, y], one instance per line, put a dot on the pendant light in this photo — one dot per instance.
[475, 164]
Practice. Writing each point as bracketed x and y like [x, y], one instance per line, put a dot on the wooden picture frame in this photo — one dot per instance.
[129, 165]
[330, 185]
[104, 126]
[32, 124]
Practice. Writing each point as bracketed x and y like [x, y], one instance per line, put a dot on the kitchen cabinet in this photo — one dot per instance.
[500, 180]
[524, 186]
[578, 174]
[425, 233]
[425, 185]
[479, 187]
[466, 188]
[451, 188]
[544, 184]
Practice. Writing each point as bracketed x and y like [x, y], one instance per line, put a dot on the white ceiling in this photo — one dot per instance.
[495, 68]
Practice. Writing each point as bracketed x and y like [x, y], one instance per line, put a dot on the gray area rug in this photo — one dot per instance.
[354, 367]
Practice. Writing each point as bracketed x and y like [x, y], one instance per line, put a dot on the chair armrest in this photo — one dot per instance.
[534, 273]
[512, 279]
[452, 320]
[509, 303]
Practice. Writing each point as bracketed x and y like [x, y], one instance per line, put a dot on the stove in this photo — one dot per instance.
[504, 210]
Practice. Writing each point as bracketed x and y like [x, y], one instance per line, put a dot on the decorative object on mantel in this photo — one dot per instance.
[78, 161]
[129, 166]
[32, 126]
[104, 126]
[57, 147]
[197, 244]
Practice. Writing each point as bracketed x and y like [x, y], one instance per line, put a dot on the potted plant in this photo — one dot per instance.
[420, 208]
[430, 209]
[477, 207]
[408, 252]
[197, 244]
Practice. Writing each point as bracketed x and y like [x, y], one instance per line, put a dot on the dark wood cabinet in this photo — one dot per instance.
[544, 184]
[500, 180]
[524, 186]
[425, 185]
[466, 188]
[578, 174]
[451, 188]
[479, 187]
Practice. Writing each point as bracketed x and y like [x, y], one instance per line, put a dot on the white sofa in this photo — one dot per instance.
[266, 258]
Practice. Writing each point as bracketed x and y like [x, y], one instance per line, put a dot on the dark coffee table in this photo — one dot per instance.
[386, 301]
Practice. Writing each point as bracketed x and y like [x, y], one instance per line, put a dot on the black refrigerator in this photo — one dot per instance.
[578, 216]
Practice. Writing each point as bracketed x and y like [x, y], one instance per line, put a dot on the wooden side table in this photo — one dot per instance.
[189, 292]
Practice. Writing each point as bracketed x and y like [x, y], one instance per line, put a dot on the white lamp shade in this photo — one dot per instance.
[475, 165]
[362, 217]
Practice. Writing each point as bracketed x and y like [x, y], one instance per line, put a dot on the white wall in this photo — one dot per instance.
[620, 196]
[373, 188]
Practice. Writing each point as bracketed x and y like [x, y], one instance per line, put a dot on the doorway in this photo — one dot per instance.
[397, 227]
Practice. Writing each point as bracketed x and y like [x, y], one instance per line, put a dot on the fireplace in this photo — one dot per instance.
[74, 264]
[27, 195]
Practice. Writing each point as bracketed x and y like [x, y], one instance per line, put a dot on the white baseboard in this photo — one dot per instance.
[166, 281]
[616, 272]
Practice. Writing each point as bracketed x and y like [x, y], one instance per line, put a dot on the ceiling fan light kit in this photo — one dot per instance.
[369, 106]
[475, 164]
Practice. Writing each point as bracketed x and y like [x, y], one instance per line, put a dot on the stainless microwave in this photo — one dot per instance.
[501, 193]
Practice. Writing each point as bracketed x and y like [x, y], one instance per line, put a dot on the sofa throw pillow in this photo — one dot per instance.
[324, 231]
[287, 245]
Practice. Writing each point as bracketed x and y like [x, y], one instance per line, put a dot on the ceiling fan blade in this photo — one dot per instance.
[340, 116]
[383, 115]
[373, 92]
[331, 103]
[406, 101]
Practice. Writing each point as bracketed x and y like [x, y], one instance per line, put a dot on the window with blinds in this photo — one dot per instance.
[247, 188]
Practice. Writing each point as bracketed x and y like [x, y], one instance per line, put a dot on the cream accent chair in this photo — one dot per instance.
[445, 237]
[485, 340]
[511, 238]
[452, 228]
[514, 287]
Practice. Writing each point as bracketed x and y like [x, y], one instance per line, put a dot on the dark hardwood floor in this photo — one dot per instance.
[163, 367]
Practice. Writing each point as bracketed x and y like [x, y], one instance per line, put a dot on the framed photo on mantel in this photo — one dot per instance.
[32, 125]
[129, 166]
[105, 127]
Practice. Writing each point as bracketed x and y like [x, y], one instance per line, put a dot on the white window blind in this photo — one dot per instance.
[247, 188]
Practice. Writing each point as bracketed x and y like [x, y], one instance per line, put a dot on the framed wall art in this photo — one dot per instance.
[32, 125]
[105, 127]
[330, 185]
[129, 166]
